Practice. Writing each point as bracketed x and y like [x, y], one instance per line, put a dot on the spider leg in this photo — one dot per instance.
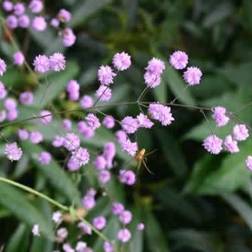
[146, 167]
[150, 152]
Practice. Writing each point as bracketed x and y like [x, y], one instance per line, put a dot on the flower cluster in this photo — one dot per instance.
[23, 15]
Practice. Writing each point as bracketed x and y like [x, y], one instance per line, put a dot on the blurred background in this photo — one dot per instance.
[193, 201]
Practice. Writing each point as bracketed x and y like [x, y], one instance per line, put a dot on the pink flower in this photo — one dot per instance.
[105, 75]
[129, 124]
[3, 91]
[104, 93]
[127, 177]
[86, 102]
[73, 90]
[192, 76]
[249, 162]
[18, 58]
[130, 147]
[41, 64]
[71, 142]
[24, 21]
[12, 21]
[2, 67]
[64, 16]
[46, 117]
[39, 23]
[36, 6]
[125, 217]
[160, 113]
[26, 98]
[36, 230]
[57, 62]
[68, 37]
[92, 121]
[230, 144]
[45, 158]
[144, 121]
[109, 122]
[219, 116]
[121, 61]
[213, 144]
[124, 235]
[240, 132]
[179, 60]
[13, 152]
[99, 222]
[153, 72]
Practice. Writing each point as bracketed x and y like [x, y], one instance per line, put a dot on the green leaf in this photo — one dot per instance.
[178, 86]
[155, 237]
[241, 206]
[229, 176]
[16, 202]
[84, 10]
[54, 173]
[19, 241]
[48, 90]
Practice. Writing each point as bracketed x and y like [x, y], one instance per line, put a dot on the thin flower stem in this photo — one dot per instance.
[30, 190]
[143, 93]
[52, 201]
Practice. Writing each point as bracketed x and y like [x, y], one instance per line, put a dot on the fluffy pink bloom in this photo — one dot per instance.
[104, 176]
[36, 137]
[19, 9]
[249, 163]
[127, 177]
[153, 72]
[57, 62]
[117, 208]
[129, 124]
[13, 152]
[85, 130]
[105, 75]
[18, 58]
[179, 60]
[192, 76]
[2, 67]
[92, 121]
[220, 117]
[26, 98]
[108, 247]
[104, 93]
[12, 114]
[99, 222]
[36, 230]
[24, 21]
[41, 64]
[230, 144]
[64, 16]
[121, 61]
[46, 117]
[61, 234]
[124, 235]
[7, 5]
[140, 226]
[23, 134]
[36, 6]
[109, 122]
[73, 90]
[100, 162]
[125, 217]
[67, 124]
[3, 91]
[12, 21]
[58, 141]
[240, 132]
[71, 142]
[213, 144]
[160, 113]
[81, 155]
[130, 147]
[144, 121]
[68, 37]
[10, 104]
[39, 24]
[86, 102]
[45, 158]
